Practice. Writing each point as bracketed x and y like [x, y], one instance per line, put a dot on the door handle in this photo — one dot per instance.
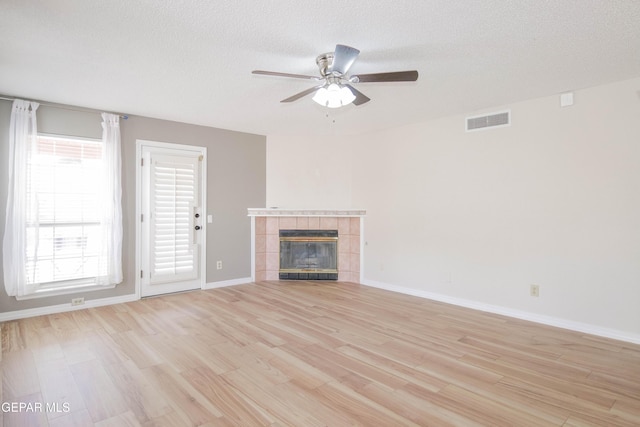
[197, 227]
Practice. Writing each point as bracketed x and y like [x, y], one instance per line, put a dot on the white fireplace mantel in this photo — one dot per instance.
[306, 212]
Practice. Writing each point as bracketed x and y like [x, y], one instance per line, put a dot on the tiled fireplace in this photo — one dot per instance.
[265, 238]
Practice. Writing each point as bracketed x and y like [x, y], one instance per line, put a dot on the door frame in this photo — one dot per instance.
[140, 144]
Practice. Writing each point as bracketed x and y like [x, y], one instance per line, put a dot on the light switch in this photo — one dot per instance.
[209, 219]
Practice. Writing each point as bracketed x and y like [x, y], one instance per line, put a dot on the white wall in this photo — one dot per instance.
[552, 200]
[308, 172]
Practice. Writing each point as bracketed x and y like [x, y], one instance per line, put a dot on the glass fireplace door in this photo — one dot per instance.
[309, 254]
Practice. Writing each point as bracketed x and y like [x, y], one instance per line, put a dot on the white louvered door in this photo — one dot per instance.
[172, 221]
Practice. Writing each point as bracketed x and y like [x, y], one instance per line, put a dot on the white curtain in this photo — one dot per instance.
[23, 132]
[110, 198]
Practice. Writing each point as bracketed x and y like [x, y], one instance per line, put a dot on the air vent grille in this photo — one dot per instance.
[488, 121]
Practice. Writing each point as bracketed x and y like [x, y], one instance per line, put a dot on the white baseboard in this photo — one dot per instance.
[518, 314]
[52, 309]
[225, 283]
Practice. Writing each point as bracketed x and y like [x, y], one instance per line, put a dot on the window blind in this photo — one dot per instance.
[174, 189]
[63, 228]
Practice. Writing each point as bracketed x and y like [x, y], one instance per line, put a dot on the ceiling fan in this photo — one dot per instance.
[335, 89]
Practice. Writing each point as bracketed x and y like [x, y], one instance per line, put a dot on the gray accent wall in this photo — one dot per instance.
[236, 180]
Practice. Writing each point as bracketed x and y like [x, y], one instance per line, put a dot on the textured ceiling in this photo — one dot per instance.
[191, 60]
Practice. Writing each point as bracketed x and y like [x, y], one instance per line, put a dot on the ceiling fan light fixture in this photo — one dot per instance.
[335, 88]
[334, 96]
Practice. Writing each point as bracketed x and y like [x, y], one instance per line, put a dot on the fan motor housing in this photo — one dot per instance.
[325, 61]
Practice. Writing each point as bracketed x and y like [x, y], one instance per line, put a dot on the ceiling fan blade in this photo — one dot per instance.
[301, 94]
[361, 98]
[396, 76]
[343, 58]
[275, 73]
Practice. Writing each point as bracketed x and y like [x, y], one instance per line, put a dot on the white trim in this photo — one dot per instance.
[203, 210]
[305, 212]
[253, 248]
[61, 308]
[231, 282]
[362, 245]
[140, 144]
[47, 293]
[138, 208]
[518, 314]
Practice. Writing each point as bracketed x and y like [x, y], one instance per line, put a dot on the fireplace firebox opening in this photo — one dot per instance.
[308, 255]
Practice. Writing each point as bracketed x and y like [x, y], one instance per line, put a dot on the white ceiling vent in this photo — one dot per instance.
[493, 120]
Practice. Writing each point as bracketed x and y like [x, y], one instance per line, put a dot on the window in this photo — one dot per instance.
[63, 227]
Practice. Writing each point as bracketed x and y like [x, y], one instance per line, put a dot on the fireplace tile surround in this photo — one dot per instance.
[265, 241]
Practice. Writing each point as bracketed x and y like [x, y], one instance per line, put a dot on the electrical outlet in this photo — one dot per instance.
[77, 301]
[534, 290]
[219, 265]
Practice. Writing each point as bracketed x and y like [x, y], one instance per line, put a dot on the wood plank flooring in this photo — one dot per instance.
[309, 354]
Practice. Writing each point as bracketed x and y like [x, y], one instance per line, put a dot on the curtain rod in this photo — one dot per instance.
[65, 107]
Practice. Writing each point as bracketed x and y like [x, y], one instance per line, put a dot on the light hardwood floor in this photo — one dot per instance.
[310, 354]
